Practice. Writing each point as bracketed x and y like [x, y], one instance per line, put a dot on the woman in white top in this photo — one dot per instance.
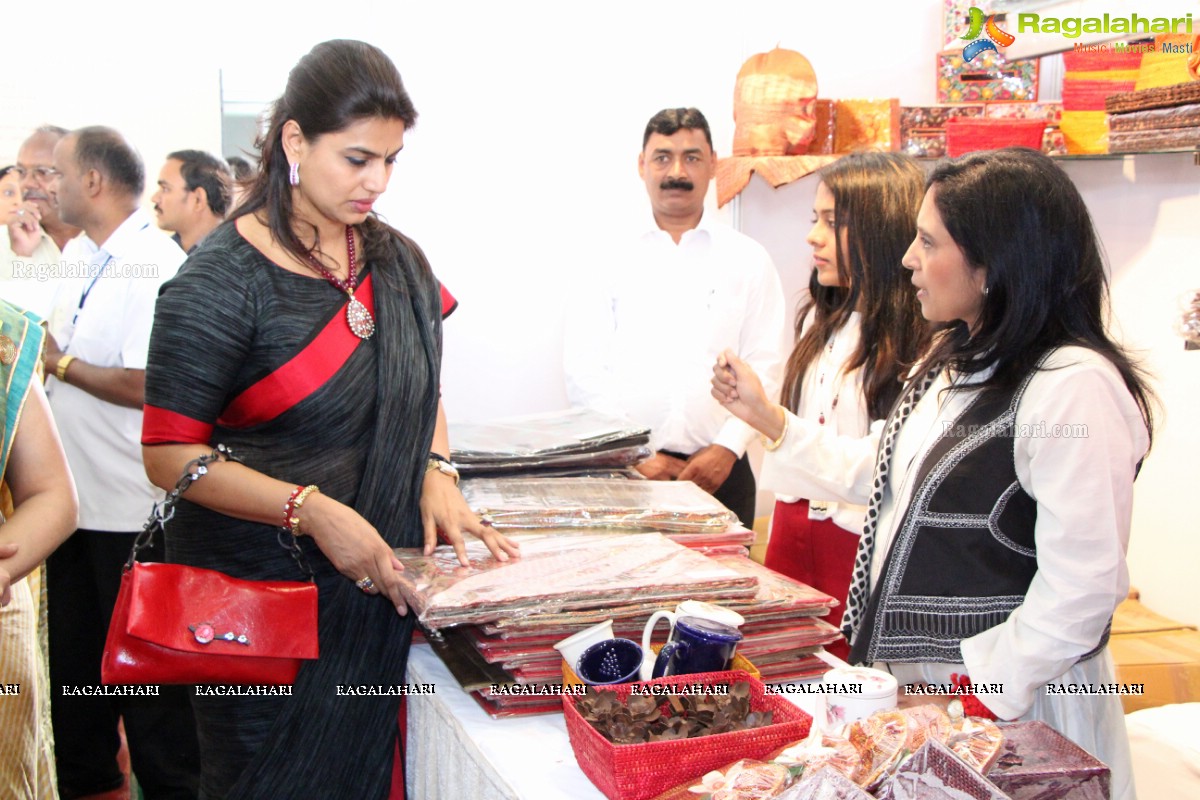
[1000, 489]
[855, 331]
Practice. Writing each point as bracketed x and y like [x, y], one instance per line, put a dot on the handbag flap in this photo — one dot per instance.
[204, 611]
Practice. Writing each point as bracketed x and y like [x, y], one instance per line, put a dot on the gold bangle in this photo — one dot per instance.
[293, 520]
[772, 446]
[60, 371]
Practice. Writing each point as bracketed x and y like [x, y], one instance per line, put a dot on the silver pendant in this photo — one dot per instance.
[361, 323]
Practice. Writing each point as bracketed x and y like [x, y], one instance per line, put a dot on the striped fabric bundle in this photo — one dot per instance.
[1089, 80]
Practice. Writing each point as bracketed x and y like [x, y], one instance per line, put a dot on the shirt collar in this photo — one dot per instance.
[119, 241]
[703, 230]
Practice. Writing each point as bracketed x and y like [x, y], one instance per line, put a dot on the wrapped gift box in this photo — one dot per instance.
[936, 773]
[1038, 762]
[989, 78]
[866, 125]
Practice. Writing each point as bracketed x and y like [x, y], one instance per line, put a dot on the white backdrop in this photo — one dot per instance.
[525, 155]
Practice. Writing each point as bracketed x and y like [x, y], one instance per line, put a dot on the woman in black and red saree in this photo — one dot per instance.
[305, 334]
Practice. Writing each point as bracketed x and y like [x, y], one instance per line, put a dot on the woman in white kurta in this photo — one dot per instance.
[1006, 258]
[855, 330]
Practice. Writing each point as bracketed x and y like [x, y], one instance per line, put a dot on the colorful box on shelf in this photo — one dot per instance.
[1090, 79]
[934, 117]
[968, 135]
[989, 78]
[866, 125]
[641, 771]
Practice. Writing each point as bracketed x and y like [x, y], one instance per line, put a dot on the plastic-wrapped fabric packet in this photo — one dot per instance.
[1039, 763]
[538, 503]
[558, 573]
[935, 773]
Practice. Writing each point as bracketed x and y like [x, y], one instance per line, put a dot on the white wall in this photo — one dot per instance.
[525, 153]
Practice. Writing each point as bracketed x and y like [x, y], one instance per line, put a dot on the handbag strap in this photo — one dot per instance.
[163, 512]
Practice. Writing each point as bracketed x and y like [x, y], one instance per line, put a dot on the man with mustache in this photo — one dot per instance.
[194, 190]
[33, 237]
[666, 301]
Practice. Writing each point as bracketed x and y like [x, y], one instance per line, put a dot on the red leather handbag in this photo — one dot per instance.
[175, 624]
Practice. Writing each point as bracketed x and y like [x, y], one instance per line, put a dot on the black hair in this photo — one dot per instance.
[336, 84]
[5, 170]
[241, 168]
[669, 121]
[876, 197]
[1017, 214]
[201, 170]
[106, 151]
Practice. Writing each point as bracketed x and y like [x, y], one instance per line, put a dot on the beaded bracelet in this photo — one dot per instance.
[294, 503]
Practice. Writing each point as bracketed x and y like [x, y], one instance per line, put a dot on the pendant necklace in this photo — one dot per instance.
[821, 384]
[359, 319]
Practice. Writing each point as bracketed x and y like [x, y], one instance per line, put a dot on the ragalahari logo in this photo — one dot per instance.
[976, 26]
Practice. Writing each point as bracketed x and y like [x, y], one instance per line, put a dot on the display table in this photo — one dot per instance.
[455, 749]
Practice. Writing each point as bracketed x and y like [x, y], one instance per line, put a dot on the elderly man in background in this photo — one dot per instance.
[31, 242]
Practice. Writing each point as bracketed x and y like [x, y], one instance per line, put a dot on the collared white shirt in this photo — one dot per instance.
[828, 392]
[30, 282]
[106, 321]
[1079, 437]
[650, 320]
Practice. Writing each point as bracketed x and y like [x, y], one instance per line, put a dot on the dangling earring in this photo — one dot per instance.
[986, 289]
[294, 173]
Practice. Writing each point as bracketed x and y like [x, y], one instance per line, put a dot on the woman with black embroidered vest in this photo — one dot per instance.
[855, 331]
[1000, 488]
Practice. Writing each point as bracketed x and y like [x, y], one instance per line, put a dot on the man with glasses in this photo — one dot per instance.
[31, 243]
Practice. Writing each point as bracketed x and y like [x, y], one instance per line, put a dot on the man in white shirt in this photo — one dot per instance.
[101, 334]
[32, 241]
[194, 190]
[665, 303]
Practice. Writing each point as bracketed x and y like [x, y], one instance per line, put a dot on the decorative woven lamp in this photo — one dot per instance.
[774, 109]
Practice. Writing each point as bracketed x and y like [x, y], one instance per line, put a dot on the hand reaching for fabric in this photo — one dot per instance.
[709, 467]
[354, 547]
[738, 389]
[444, 509]
[662, 467]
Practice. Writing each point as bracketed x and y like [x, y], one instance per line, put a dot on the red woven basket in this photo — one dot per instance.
[968, 134]
[641, 771]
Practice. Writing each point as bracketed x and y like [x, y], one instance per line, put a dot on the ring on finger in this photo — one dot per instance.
[487, 521]
[366, 584]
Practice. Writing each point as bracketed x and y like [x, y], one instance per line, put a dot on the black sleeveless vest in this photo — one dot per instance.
[964, 555]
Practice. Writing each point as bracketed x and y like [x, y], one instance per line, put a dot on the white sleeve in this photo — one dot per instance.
[813, 462]
[762, 345]
[1080, 437]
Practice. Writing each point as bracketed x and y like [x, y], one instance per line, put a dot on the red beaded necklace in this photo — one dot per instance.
[359, 319]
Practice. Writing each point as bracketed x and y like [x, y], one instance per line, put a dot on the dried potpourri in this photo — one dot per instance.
[653, 718]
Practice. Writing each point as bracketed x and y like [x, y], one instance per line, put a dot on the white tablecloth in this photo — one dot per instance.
[455, 750]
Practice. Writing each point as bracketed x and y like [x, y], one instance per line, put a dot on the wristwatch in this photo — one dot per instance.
[441, 464]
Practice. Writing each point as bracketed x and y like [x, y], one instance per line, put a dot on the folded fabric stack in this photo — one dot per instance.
[514, 612]
[1162, 118]
[575, 441]
[682, 511]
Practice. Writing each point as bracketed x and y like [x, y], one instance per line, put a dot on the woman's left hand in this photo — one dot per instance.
[444, 509]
